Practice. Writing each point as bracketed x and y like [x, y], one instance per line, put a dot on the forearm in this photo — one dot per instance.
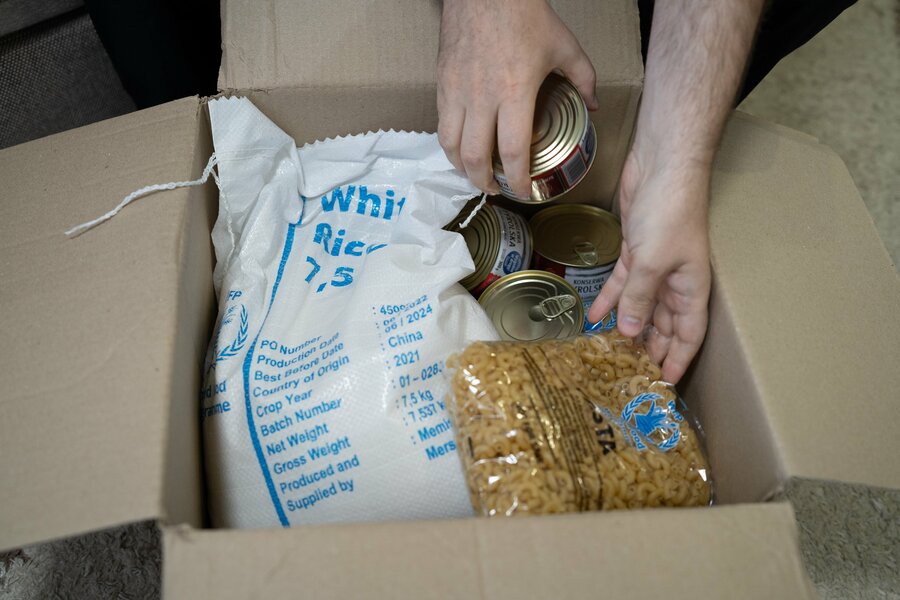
[695, 63]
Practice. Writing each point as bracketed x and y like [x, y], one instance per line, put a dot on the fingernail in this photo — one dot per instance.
[631, 321]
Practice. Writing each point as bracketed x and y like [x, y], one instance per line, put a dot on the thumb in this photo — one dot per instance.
[609, 293]
[638, 298]
[578, 68]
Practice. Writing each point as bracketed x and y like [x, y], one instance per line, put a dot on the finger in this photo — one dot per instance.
[609, 293]
[515, 122]
[689, 333]
[478, 135]
[638, 298]
[578, 68]
[451, 117]
[660, 337]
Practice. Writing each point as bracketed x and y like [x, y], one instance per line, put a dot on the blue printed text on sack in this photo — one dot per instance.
[367, 203]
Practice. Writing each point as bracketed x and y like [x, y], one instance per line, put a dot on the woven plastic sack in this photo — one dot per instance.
[323, 399]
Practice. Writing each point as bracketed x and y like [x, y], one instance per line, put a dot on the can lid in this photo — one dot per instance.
[482, 236]
[533, 305]
[577, 235]
[560, 120]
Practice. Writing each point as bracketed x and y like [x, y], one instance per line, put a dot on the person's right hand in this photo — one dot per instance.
[493, 57]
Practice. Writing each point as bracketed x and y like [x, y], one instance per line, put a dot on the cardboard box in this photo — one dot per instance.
[103, 339]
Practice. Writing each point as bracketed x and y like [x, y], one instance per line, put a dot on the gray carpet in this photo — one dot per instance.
[850, 538]
[55, 76]
[121, 563]
[843, 87]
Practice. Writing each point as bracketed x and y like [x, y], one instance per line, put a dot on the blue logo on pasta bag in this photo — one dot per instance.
[607, 323]
[649, 423]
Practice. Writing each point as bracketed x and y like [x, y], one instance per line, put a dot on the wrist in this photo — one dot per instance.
[679, 174]
[670, 148]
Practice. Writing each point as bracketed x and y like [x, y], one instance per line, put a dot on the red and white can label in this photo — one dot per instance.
[565, 175]
[514, 253]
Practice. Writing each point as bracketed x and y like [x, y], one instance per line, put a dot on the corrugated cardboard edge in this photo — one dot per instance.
[183, 490]
[745, 551]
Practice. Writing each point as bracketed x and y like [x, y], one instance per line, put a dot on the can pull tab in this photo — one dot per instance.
[551, 308]
[587, 252]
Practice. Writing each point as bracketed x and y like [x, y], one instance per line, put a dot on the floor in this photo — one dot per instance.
[843, 87]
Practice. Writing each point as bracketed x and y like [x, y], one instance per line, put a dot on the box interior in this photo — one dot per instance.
[753, 450]
[747, 461]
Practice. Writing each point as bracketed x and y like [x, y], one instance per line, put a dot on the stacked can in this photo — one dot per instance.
[499, 242]
[563, 143]
[531, 306]
[581, 244]
[551, 301]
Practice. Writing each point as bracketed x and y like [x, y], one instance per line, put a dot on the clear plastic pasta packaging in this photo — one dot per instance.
[569, 426]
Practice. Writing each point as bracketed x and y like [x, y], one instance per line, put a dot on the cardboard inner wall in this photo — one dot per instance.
[88, 325]
[357, 44]
[721, 388]
[736, 552]
[813, 300]
[196, 313]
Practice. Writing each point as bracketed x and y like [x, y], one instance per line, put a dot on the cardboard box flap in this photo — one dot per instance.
[814, 299]
[88, 324]
[747, 551]
[289, 43]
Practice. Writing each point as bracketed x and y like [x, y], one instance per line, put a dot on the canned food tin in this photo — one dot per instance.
[499, 241]
[581, 244]
[533, 305]
[563, 143]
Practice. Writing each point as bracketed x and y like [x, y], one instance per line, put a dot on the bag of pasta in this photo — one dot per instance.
[567, 426]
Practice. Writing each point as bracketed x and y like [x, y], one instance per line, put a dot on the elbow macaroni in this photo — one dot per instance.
[563, 426]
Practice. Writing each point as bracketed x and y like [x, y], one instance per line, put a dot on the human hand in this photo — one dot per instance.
[662, 277]
[493, 58]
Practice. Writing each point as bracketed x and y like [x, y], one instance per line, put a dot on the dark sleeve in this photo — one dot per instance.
[161, 49]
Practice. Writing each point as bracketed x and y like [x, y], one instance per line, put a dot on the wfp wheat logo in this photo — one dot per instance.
[648, 422]
[236, 332]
